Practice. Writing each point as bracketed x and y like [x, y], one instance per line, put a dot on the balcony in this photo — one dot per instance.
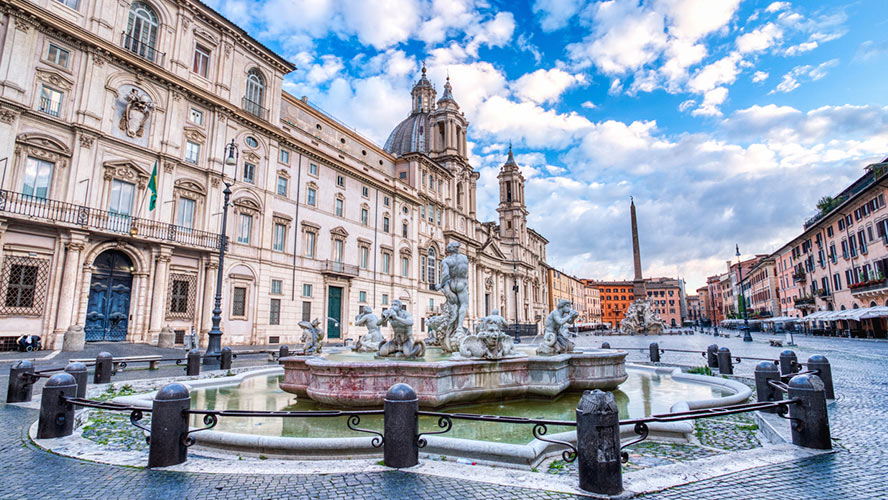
[806, 302]
[339, 269]
[870, 288]
[50, 107]
[60, 213]
[799, 276]
[142, 49]
[255, 109]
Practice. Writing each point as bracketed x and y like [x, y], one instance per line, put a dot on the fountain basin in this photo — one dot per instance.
[355, 383]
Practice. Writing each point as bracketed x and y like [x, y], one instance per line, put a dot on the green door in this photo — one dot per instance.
[334, 311]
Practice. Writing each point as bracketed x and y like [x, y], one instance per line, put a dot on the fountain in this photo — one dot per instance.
[462, 367]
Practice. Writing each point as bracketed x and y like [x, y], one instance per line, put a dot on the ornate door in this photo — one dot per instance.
[107, 315]
[334, 312]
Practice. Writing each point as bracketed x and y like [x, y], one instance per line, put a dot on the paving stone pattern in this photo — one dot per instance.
[857, 471]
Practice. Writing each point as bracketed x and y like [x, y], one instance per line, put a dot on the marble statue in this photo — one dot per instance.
[402, 344]
[135, 114]
[642, 319]
[555, 340]
[489, 341]
[436, 326]
[454, 275]
[312, 336]
[370, 341]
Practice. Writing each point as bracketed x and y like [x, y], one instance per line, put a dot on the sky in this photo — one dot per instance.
[726, 120]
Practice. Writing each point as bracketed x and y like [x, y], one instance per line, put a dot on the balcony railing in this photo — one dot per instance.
[49, 107]
[799, 276]
[255, 109]
[59, 212]
[804, 301]
[333, 267]
[875, 285]
[142, 49]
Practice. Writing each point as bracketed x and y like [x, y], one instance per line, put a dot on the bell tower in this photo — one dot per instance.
[448, 126]
[423, 95]
[512, 209]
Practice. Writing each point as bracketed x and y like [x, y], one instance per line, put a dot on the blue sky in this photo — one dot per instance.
[726, 119]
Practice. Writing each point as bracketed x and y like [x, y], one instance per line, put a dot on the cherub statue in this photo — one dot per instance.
[555, 340]
[370, 341]
[312, 336]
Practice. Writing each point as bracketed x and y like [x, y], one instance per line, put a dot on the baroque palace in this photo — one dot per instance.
[96, 96]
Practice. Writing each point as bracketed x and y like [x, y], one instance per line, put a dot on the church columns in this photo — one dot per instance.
[159, 292]
[67, 293]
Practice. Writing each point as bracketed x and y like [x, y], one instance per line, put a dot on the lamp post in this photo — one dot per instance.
[746, 336]
[714, 318]
[515, 289]
[213, 356]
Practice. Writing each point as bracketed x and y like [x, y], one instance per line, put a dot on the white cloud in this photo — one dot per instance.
[712, 99]
[799, 74]
[534, 126]
[721, 72]
[543, 86]
[777, 6]
[589, 105]
[759, 76]
[555, 14]
[759, 39]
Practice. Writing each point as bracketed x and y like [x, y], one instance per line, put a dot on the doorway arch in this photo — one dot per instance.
[107, 312]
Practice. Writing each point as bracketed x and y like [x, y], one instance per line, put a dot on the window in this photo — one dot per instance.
[405, 267]
[365, 256]
[192, 152]
[365, 191]
[277, 287]
[365, 216]
[422, 267]
[362, 297]
[185, 213]
[386, 201]
[340, 181]
[38, 176]
[339, 205]
[310, 239]
[386, 263]
[337, 250]
[245, 228]
[179, 297]
[239, 301]
[280, 237]
[306, 289]
[385, 299]
[402, 175]
[312, 196]
[404, 230]
[306, 310]
[274, 312]
[284, 157]
[841, 225]
[50, 101]
[313, 169]
[21, 286]
[195, 116]
[251, 141]
[431, 213]
[282, 186]
[201, 64]
[57, 55]
[122, 194]
[433, 265]
[385, 224]
[141, 31]
[249, 173]
[837, 282]
[255, 93]
[69, 3]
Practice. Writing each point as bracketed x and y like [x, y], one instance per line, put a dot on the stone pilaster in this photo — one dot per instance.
[158, 302]
[67, 292]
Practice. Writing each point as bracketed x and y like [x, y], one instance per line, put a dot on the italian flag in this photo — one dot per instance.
[152, 185]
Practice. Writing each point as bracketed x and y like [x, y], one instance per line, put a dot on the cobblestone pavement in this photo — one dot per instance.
[858, 423]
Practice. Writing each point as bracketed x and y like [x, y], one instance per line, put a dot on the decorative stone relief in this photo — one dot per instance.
[54, 79]
[43, 147]
[7, 116]
[136, 113]
[86, 141]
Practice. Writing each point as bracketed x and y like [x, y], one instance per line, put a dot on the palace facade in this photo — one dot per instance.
[96, 97]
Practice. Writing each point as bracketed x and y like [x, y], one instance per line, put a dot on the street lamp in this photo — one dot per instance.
[714, 317]
[213, 356]
[515, 289]
[746, 336]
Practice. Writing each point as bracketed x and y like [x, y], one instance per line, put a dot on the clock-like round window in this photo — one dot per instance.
[252, 142]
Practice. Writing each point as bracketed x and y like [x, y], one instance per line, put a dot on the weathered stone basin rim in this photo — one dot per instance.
[353, 383]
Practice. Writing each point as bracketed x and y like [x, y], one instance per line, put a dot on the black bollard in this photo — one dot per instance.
[655, 352]
[193, 366]
[284, 352]
[810, 421]
[104, 365]
[605, 345]
[712, 356]
[598, 443]
[21, 382]
[765, 371]
[400, 427]
[78, 371]
[226, 359]
[57, 415]
[821, 364]
[789, 363]
[169, 426]
[725, 363]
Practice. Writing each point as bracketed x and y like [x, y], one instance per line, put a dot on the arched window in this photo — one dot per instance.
[255, 93]
[433, 265]
[141, 31]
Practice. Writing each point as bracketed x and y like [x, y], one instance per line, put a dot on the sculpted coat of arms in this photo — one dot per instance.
[135, 114]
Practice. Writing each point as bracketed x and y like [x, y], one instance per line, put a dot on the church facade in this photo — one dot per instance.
[102, 105]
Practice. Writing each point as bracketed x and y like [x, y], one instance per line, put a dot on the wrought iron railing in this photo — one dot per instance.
[68, 213]
[142, 49]
[47, 106]
[331, 266]
[255, 108]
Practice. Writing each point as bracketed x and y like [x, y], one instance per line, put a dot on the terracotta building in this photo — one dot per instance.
[666, 297]
[566, 287]
[615, 299]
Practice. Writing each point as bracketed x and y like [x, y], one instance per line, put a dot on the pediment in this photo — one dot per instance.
[54, 79]
[339, 231]
[491, 249]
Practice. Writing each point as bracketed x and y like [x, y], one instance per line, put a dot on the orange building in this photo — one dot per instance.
[615, 299]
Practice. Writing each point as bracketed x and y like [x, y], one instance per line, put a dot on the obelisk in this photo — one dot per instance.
[637, 282]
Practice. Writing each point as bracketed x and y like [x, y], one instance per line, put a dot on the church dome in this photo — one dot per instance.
[410, 136]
